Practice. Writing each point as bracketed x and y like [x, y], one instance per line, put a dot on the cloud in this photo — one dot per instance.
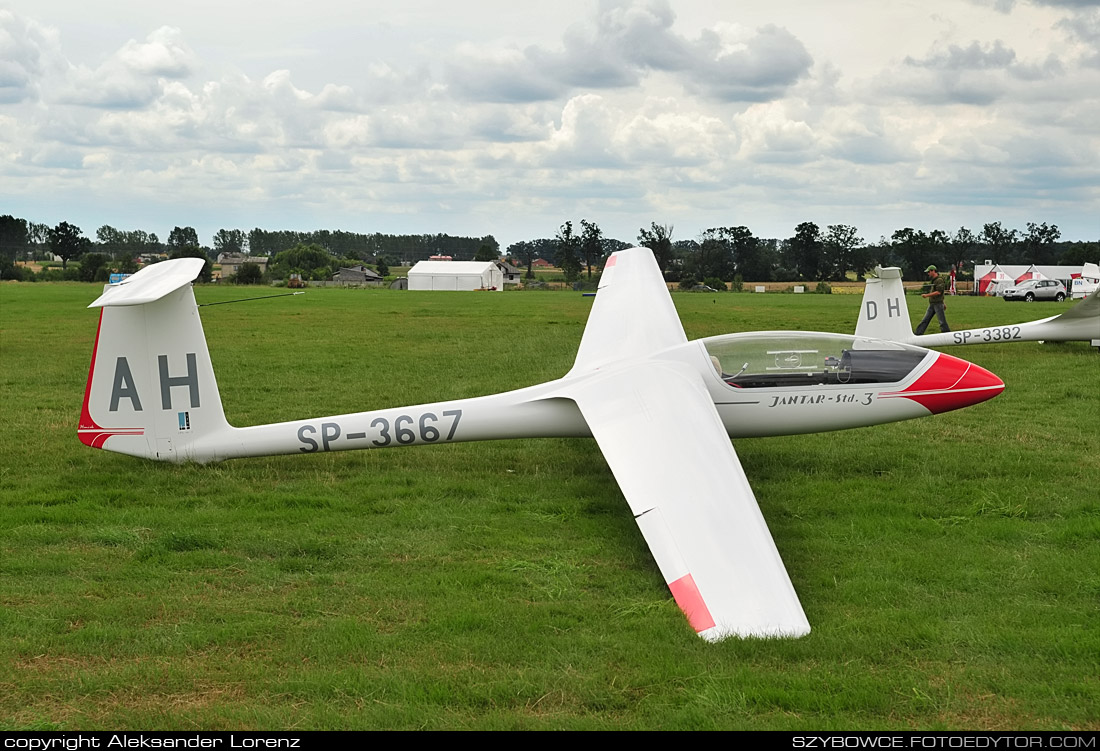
[162, 54]
[977, 74]
[133, 76]
[27, 51]
[760, 66]
[625, 43]
[973, 57]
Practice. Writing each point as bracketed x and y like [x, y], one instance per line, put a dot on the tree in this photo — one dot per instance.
[964, 249]
[13, 237]
[182, 237]
[712, 256]
[67, 242]
[750, 257]
[381, 266]
[249, 273]
[526, 251]
[111, 241]
[486, 253]
[911, 248]
[803, 251]
[658, 238]
[1039, 242]
[839, 248]
[591, 244]
[568, 252]
[998, 241]
[90, 265]
[228, 241]
[311, 260]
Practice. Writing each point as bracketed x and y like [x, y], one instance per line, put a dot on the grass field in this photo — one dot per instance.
[950, 567]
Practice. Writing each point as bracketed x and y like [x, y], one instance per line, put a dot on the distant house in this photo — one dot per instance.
[511, 273]
[357, 275]
[231, 263]
[541, 263]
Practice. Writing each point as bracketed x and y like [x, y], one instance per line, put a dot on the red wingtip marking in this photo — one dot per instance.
[611, 262]
[687, 596]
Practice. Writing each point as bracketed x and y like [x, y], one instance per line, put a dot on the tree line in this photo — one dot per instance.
[811, 253]
[323, 251]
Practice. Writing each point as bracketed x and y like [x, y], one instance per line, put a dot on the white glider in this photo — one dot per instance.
[661, 408]
[884, 315]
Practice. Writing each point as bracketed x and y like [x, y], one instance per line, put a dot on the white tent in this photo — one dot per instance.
[456, 275]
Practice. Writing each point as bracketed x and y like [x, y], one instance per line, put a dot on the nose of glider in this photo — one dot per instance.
[951, 383]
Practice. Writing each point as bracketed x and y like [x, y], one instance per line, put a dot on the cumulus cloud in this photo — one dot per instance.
[133, 76]
[625, 43]
[27, 51]
[162, 54]
[975, 74]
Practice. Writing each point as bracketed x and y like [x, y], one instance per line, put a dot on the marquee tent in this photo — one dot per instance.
[993, 280]
[456, 275]
[1031, 273]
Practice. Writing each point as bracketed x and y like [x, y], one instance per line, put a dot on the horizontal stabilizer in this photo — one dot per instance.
[1087, 308]
[151, 283]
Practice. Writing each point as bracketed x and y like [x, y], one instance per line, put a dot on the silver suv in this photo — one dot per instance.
[1036, 289]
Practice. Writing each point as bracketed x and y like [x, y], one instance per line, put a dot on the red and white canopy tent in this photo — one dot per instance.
[992, 280]
[1031, 273]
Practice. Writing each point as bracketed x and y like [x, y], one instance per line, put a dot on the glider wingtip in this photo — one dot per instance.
[776, 631]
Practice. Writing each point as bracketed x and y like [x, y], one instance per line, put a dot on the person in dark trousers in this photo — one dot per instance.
[936, 304]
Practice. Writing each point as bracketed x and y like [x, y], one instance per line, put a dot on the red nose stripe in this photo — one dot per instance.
[945, 372]
[950, 384]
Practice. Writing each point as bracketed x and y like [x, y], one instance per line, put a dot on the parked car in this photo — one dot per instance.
[1036, 289]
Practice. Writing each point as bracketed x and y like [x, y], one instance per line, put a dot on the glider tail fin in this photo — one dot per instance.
[151, 390]
[883, 313]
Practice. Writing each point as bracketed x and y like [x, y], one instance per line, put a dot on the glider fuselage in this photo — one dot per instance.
[800, 382]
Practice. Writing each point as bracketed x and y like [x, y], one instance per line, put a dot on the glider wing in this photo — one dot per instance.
[632, 314]
[664, 441]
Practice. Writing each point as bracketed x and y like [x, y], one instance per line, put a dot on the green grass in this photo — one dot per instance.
[950, 567]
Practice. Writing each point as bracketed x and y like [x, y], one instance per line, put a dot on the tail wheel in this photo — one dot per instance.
[1029, 297]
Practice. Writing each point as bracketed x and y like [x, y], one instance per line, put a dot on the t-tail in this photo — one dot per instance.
[884, 314]
[151, 387]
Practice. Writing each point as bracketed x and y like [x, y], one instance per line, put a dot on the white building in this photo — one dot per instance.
[456, 275]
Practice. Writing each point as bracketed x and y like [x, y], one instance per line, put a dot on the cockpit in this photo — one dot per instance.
[790, 359]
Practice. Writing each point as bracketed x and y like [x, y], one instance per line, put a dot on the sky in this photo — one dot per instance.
[496, 117]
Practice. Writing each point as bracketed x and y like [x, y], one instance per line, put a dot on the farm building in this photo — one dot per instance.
[357, 275]
[456, 275]
[231, 263]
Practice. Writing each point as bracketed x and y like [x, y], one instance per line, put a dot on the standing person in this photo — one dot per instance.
[936, 305]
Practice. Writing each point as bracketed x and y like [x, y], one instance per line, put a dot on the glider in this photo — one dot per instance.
[884, 315]
[661, 408]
